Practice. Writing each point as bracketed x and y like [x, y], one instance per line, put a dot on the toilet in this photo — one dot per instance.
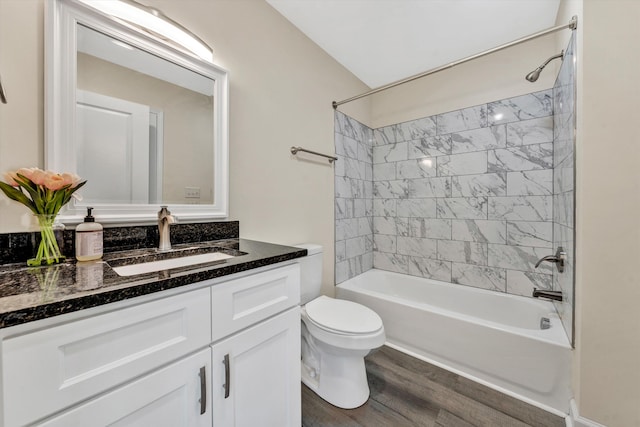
[336, 336]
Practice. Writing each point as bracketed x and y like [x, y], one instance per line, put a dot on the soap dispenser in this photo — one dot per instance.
[89, 239]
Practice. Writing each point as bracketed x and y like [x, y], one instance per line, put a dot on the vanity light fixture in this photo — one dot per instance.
[154, 22]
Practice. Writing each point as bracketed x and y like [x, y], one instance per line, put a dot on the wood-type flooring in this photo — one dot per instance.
[406, 391]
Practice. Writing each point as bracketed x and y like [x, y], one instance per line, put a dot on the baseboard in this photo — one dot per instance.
[575, 420]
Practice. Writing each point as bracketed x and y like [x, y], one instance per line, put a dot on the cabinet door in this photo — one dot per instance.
[261, 383]
[169, 397]
[63, 365]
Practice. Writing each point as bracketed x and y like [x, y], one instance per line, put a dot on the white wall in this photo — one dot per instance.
[281, 88]
[21, 120]
[605, 365]
[606, 373]
[490, 78]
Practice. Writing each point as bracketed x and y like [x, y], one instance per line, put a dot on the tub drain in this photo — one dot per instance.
[545, 323]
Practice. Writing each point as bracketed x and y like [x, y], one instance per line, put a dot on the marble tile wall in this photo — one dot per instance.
[353, 198]
[563, 182]
[466, 196]
[472, 197]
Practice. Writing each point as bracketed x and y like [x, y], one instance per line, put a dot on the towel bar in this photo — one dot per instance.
[294, 150]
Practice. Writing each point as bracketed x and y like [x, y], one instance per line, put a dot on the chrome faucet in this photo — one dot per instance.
[559, 259]
[164, 220]
[554, 295]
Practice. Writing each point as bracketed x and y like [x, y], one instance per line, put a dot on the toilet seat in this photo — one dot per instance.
[343, 317]
[348, 336]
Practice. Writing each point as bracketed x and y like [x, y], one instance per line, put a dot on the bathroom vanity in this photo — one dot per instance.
[213, 344]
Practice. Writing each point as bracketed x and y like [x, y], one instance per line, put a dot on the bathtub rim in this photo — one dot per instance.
[555, 335]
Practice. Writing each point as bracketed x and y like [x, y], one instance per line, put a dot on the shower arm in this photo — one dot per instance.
[572, 25]
[533, 76]
[560, 55]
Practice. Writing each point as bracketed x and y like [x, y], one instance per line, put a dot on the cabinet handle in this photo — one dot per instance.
[227, 375]
[203, 390]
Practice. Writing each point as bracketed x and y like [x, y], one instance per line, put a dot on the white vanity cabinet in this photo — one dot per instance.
[256, 371]
[47, 370]
[256, 375]
[158, 360]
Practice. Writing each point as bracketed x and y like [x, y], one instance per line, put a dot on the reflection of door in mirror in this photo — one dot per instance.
[156, 155]
[113, 148]
[175, 160]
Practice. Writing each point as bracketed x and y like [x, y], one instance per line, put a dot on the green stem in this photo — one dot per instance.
[48, 250]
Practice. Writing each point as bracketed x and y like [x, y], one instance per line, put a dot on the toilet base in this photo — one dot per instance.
[341, 379]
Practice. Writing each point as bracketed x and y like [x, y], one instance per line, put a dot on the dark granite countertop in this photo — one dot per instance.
[33, 293]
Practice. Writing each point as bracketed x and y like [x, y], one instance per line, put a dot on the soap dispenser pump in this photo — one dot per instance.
[89, 239]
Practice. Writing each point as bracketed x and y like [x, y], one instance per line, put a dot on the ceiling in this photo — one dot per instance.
[381, 41]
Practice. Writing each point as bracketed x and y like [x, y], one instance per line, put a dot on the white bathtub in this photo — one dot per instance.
[486, 336]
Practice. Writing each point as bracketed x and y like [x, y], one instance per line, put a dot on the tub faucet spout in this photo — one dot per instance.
[164, 220]
[553, 295]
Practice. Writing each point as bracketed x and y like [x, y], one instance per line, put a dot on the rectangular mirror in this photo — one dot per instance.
[142, 121]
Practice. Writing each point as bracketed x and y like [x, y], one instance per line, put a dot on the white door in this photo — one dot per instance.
[112, 149]
[261, 385]
[156, 156]
[169, 397]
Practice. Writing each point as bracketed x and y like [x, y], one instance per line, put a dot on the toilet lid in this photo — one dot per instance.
[343, 316]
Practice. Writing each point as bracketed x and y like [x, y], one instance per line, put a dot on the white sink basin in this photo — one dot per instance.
[167, 264]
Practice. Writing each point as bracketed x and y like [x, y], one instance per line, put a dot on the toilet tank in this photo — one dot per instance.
[310, 272]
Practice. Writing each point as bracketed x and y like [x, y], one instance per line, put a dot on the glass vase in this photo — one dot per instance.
[48, 249]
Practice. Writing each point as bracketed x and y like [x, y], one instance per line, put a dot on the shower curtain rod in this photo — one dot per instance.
[573, 24]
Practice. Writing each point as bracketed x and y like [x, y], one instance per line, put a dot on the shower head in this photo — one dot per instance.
[533, 76]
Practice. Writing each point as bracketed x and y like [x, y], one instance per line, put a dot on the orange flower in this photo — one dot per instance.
[71, 179]
[10, 177]
[44, 192]
[26, 172]
[35, 175]
[53, 181]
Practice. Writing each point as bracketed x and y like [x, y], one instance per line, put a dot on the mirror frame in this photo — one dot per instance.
[62, 17]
